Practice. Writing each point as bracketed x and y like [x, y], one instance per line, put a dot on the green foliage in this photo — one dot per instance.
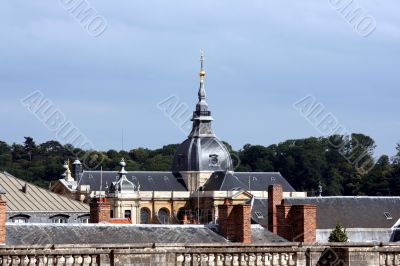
[338, 234]
[337, 162]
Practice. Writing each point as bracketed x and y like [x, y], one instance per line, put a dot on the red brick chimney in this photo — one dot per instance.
[3, 207]
[304, 223]
[100, 211]
[235, 221]
[275, 196]
[297, 223]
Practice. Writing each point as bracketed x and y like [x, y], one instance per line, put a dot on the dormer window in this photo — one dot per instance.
[84, 219]
[214, 160]
[59, 219]
[388, 215]
[20, 218]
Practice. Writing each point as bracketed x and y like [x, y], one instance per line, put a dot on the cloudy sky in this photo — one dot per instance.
[261, 57]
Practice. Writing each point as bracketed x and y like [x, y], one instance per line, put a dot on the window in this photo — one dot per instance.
[163, 215]
[59, 220]
[214, 160]
[128, 214]
[20, 218]
[388, 215]
[144, 216]
[181, 214]
[84, 219]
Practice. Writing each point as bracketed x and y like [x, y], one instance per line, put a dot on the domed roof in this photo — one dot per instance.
[202, 151]
[202, 154]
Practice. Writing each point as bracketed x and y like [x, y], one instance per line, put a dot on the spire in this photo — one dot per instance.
[202, 116]
[202, 74]
[202, 104]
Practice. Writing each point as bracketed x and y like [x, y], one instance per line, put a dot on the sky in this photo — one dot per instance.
[261, 57]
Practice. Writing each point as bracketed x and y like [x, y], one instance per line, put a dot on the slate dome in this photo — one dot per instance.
[202, 150]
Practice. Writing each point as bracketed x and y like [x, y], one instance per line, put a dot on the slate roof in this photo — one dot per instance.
[259, 211]
[35, 198]
[43, 234]
[194, 155]
[353, 212]
[251, 181]
[260, 235]
[149, 181]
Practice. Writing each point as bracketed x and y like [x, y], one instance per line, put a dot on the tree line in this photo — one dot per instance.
[341, 165]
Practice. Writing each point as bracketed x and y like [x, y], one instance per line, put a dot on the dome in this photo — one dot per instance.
[202, 154]
[202, 150]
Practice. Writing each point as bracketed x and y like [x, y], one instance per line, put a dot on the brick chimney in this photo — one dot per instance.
[235, 221]
[3, 207]
[100, 211]
[275, 196]
[304, 223]
[297, 223]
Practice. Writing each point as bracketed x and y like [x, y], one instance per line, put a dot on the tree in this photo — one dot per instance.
[29, 147]
[338, 234]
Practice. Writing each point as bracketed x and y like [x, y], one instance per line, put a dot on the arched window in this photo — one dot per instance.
[128, 214]
[181, 214]
[144, 216]
[163, 215]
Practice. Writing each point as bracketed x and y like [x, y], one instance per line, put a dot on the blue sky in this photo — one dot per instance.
[261, 57]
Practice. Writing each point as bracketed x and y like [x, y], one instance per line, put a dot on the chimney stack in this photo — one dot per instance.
[275, 197]
[235, 221]
[100, 211]
[296, 223]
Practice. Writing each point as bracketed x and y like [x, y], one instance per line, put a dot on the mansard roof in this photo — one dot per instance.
[251, 181]
[350, 212]
[353, 212]
[148, 181]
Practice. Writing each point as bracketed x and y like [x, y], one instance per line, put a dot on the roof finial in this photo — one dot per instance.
[202, 74]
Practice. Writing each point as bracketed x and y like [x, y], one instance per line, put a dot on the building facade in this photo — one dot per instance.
[201, 177]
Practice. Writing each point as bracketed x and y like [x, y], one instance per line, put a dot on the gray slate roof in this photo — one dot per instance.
[259, 211]
[149, 181]
[35, 198]
[252, 181]
[353, 212]
[194, 155]
[43, 234]
[260, 235]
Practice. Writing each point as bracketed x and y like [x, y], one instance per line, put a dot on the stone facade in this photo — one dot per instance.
[287, 254]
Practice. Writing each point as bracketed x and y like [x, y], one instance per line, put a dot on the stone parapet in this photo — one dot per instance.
[291, 254]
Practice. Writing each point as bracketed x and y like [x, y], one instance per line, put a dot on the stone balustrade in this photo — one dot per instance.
[285, 254]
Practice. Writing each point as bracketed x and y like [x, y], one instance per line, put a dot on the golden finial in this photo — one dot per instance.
[202, 72]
